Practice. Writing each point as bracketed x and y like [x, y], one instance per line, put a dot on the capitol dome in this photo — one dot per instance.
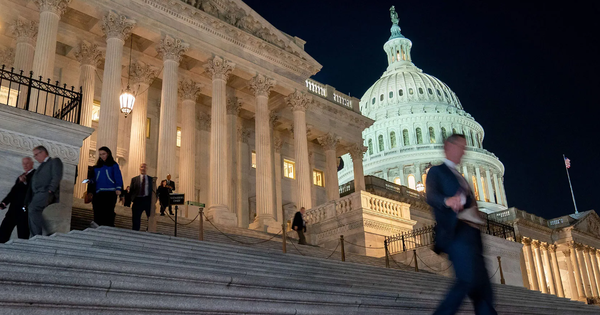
[414, 113]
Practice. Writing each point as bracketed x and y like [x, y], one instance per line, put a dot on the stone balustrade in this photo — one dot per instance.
[316, 88]
[330, 93]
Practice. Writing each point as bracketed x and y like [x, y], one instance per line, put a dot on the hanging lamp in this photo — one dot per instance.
[127, 99]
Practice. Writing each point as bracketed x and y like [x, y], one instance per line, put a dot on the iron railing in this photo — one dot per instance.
[25, 92]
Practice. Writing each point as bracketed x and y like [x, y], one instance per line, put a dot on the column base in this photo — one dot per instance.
[221, 215]
[268, 225]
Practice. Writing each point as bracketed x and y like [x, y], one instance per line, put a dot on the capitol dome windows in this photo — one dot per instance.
[411, 182]
[419, 136]
[393, 139]
[420, 91]
[400, 92]
[373, 101]
[444, 134]
[381, 97]
[439, 93]
[397, 181]
[405, 138]
[431, 135]
[453, 131]
[391, 95]
[370, 146]
[410, 91]
[380, 140]
[430, 91]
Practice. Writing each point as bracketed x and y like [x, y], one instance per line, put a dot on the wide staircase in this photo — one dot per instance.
[119, 271]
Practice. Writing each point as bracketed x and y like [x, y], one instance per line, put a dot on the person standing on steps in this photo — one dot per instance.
[163, 196]
[126, 197]
[299, 225]
[16, 215]
[143, 187]
[109, 184]
[457, 232]
[44, 189]
[171, 186]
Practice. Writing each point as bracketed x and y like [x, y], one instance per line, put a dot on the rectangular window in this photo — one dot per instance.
[253, 159]
[289, 169]
[318, 178]
[96, 111]
[8, 96]
[178, 137]
[148, 128]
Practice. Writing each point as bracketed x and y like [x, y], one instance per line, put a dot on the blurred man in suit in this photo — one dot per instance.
[142, 191]
[16, 215]
[44, 189]
[299, 225]
[457, 231]
[171, 185]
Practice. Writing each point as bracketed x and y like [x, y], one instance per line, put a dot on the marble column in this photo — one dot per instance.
[590, 271]
[233, 111]
[265, 219]
[490, 190]
[88, 56]
[583, 270]
[171, 50]
[25, 32]
[533, 279]
[243, 167]
[117, 29]
[503, 193]
[577, 271]
[571, 274]
[142, 76]
[357, 152]
[479, 184]
[556, 271]
[539, 267]
[188, 92]
[548, 267]
[276, 169]
[593, 253]
[400, 174]
[466, 173]
[329, 143]
[299, 103]
[45, 47]
[219, 185]
[205, 125]
[277, 144]
[497, 190]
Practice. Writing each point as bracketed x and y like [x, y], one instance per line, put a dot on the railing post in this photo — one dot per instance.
[403, 245]
[502, 281]
[387, 254]
[201, 232]
[29, 90]
[342, 247]
[176, 208]
[415, 259]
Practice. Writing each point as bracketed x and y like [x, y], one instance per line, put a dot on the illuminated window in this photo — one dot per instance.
[410, 91]
[444, 134]
[397, 181]
[393, 139]
[419, 136]
[147, 127]
[380, 140]
[318, 178]
[8, 96]
[405, 138]
[424, 180]
[453, 131]
[96, 112]
[253, 159]
[289, 169]
[411, 182]
[475, 190]
[431, 135]
[370, 146]
[178, 136]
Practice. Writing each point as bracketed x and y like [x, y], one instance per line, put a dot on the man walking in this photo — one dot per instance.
[299, 225]
[171, 186]
[457, 231]
[44, 189]
[142, 191]
[16, 215]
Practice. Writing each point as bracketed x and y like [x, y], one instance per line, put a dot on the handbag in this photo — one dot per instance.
[88, 197]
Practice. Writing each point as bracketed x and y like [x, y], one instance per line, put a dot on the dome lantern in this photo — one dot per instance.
[397, 47]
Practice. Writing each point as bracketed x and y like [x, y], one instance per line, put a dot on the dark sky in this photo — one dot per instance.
[527, 72]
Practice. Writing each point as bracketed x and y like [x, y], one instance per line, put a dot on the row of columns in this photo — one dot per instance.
[544, 274]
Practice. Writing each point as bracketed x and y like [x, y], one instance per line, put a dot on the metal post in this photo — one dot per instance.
[415, 259]
[502, 281]
[201, 219]
[342, 246]
[403, 245]
[570, 186]
[283, 230]
[29, 83]
[387, 255]
[176, 208]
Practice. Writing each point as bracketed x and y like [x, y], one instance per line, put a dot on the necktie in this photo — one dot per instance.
[143, 190]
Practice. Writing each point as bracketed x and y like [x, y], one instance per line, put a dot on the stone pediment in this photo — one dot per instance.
[590, 224]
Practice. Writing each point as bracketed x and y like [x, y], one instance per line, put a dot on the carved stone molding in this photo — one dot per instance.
[243, 134]
[7, 57]
[277, 144]
[261, 85]
[142, 73]
[234, 105]
[24, 144]
[298, 101]
[24, 30]
[171, 48]
[117, 26]
[343, 113]
[571, 245]
[535, 243]
[189, 89]
[219, 68]
[273, 118]
[55, 6]
[329, 141]
[357, 151]
[566, 252]
[552, 248]
[204, 120]
[544, 246]
[88, 54]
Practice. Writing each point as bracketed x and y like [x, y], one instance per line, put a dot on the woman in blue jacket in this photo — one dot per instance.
[109, 183]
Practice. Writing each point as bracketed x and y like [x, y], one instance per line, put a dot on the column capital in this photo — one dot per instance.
[277, 143]
[24, 30]
[526, 241]
[7, 57]
[57, 7]
[329, 141]
[261, 85]
[142, 73]
[219, 68]
[357, 151]
[566, 252]
[115, 25]
[552, 248]
[204, 120]
[273, 118]
[579, 246]
[234, 105]
[572, 245]
[243, 134]
[189, 89]
[298, 101]
[535, 244]
[171, 48]
[586, 249]
[544, 246]
[88, 54]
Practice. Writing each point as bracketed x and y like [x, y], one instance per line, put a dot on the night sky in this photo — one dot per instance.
[528, 73]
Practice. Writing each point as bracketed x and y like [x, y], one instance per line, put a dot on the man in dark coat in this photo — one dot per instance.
[16, 215]
[143, 196]
[299, 225]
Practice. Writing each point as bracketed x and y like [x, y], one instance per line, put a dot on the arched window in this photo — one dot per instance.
[391, 95]
[439, 93]
[380, 140]
[411, 182]
[479, 142]
[444, 134]
[400, 92]
[405, 138]
[410, 91]
[431, 135]
[424, 180]
[373, 101]
[420, 91]
[397, 181]
[475, 190]
[472, 138]
[419, 136]
[393, 139]
[430, 91]
[370, 146]
[381, 97]
[453, 131]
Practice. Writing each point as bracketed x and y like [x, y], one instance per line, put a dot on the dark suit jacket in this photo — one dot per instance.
[17, 194]
[136, 186]
[298, 221]
[47, 178]
[171, 184]
[442, 183]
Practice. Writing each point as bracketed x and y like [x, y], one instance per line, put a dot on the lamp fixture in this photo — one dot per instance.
[127, 99]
